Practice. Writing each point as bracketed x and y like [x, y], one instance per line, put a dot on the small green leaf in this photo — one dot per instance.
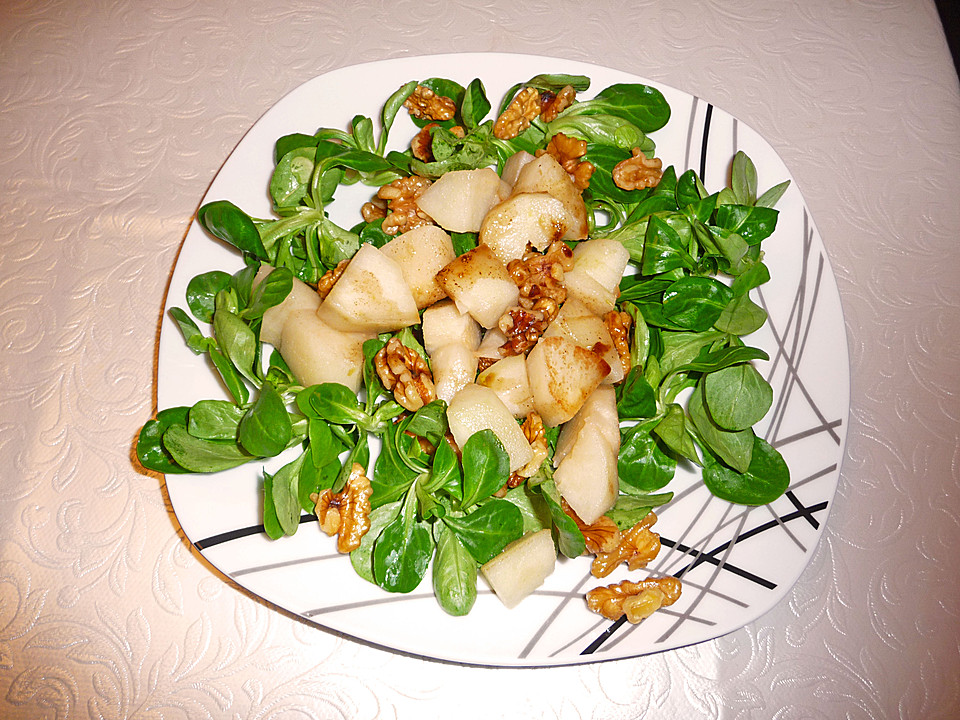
[266, 428]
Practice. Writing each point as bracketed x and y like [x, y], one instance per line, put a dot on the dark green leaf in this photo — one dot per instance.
[202, 456]
[403, 551]
[454, 575]
[488, 529]
[150, 450]
[266, 428]
[286, 495]
[486, 467]
[226, 221]
[642, 463]
[734, 448]
[737, 397]
[569, 537]
[766, 479]
[214, 420]
[202, 291]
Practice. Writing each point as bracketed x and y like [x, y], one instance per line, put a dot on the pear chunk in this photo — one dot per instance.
[562, 375]
[588, 331]
[370, 296]
[522, 567]
[459, 199]
[599, 412]
[586, 456]
[443, 324]
[318, 353]
[480, 285]
[534, 218]
[508, 379]
[421, 253]
[301, 297]
[475, 408]
[545, 174]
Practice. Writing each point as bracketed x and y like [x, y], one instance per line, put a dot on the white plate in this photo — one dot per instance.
[735, 562]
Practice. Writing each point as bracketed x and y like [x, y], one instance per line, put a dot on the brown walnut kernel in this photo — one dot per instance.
[618, 325]
[603, 535]
[552, 105]
[532, 428]
[346, 514]
[636, 600]
[522, 110]
[567, 151]
[638, 171]
[425, 104]
[637, 547]
[329, 278]
[406, 373]
[403, 213]
[539, 278]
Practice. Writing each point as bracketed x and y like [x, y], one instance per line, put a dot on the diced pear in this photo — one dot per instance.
[493, 339]
[454, 367]
[480, 285]
[534, 218]
[602, 259]
[476, 408]
[459, 199]
[443, 324]
[370, 296]
[421, 253]
[545, 174]
[301, 297]
[508, 379]
[317, 353]
[522, 567]
[581, 286]
[562, 375]
[587, 476]
[513, 165]
[599, 413]
[588, 331]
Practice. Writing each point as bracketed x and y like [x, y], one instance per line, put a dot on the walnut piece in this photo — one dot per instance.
[533, 431]
[329, 278]
[346, 514]
[552, 105]
[406, 373]
[601, 536]
[425, 104]
[517, 116]
[637, 547]
[618, 325]
[636, 600]
[403, 213]
[638, 171]
[374, 210]
[567, 151]
[539, 278]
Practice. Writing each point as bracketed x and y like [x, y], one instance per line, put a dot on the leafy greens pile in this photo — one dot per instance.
[429, 505]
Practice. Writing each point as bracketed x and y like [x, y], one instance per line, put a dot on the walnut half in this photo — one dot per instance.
[346, 514]
[638, 171]
[636, 600]
[406, 373]
[637, 547]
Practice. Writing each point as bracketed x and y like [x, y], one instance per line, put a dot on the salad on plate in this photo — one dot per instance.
[532, 324]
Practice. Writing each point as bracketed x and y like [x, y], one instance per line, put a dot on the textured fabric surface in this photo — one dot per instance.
[115, 118]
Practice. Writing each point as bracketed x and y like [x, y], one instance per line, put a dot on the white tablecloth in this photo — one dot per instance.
[114, 118]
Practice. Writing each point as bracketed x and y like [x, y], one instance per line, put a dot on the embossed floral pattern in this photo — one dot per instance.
[115, 118]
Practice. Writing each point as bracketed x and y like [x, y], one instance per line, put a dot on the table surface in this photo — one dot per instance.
[115, 118]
